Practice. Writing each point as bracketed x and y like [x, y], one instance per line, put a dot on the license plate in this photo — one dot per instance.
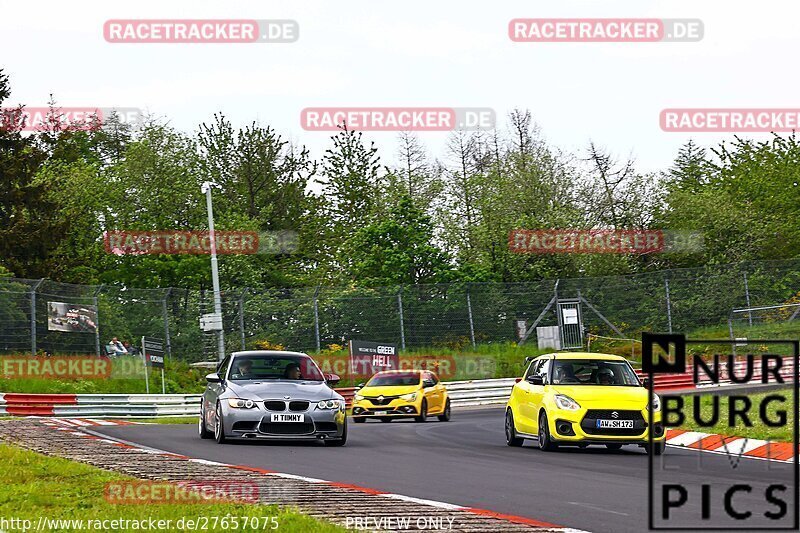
[381, 412]
[280, 417]
[615, 424]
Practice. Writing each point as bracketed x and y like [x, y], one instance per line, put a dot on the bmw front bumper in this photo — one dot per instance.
[256, 423]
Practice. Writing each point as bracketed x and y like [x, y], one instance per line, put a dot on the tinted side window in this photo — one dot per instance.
[544, 369]
[223, 366]
[533, 367]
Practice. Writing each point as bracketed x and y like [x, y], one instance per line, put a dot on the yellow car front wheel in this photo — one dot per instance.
[545, 441]
[423, 411]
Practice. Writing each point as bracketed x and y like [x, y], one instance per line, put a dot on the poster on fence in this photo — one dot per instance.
[368, 358]
[79, 318]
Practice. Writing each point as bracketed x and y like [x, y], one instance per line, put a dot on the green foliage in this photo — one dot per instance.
[396, 249]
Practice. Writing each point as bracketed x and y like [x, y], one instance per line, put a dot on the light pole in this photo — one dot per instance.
[206, 188]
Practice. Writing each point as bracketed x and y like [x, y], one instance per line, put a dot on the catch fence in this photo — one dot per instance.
[454, 316]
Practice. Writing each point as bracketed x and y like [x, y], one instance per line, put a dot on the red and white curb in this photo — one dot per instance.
[79, 427]
[733, 446]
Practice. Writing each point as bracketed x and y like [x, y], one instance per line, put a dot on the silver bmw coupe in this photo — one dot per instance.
[272, 395]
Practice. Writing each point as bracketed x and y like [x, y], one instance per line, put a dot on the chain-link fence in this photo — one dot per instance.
[454, 315]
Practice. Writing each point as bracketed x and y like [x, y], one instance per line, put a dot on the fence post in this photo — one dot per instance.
[669, 304]
[747, 299]
[471, 323]
[241, 316]
[402, 326]
[33, 316]
[97, 326]
[316, 317]
[165, 314]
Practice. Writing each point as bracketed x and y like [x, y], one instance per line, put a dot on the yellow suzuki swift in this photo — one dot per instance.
[581, 399]
[402, 394]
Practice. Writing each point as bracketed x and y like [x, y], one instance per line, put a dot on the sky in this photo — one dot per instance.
[442, 53]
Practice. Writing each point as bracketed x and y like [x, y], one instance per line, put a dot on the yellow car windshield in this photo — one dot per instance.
[593, 372]
[394, 379]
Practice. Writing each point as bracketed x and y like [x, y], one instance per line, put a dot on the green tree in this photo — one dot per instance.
[397, 249]
[28, 232]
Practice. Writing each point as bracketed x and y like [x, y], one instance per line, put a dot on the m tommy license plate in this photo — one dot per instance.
[615, 424]
[281, 417]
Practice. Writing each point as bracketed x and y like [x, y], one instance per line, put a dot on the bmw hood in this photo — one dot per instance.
[276, 390]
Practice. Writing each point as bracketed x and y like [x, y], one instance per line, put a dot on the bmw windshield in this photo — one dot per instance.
[594, 372]
[279, 366]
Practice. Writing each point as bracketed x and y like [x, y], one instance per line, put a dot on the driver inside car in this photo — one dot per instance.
[292, 371]
[245, 369]
[605, 376]
[565, 373]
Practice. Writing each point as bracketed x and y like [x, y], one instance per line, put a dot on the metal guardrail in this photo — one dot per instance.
[462, 394]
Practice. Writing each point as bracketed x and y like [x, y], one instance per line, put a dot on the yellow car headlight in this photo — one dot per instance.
[409, 397]
[656, 403]
[358, 398]
[565, 402]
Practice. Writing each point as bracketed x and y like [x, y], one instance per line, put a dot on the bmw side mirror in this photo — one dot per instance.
[427, 383]
[213, 378]
[332, 379]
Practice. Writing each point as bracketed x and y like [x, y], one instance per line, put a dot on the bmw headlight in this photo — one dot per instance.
[239, 403]
[656, 403]
[329, 404]
[409, 397]
[565, 402]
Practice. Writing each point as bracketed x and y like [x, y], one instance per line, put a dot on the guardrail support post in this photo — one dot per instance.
[402, 326]
[471, 323]
[33, 316]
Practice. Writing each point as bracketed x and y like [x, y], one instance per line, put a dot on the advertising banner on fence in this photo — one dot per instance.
[368, 358]
[71, 317]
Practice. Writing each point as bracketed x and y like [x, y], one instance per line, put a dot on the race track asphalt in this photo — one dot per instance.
[466, 462]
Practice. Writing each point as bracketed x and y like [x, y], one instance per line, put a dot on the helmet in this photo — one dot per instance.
[605, 375]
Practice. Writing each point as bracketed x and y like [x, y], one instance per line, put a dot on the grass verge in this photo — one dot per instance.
[34, 485]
